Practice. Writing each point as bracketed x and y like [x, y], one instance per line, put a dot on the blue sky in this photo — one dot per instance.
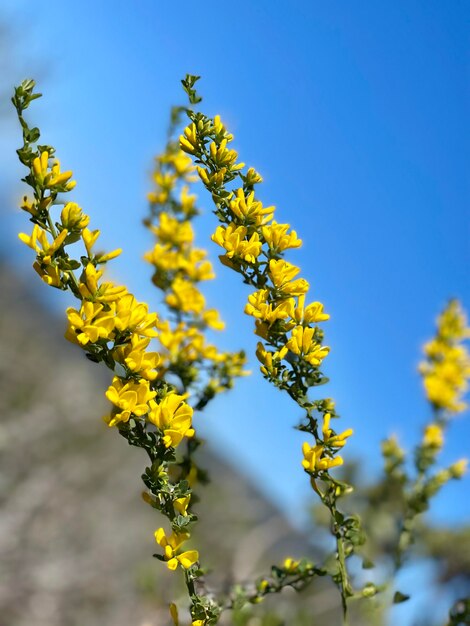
[355, 114]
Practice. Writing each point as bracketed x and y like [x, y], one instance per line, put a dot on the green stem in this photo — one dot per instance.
[344, 585]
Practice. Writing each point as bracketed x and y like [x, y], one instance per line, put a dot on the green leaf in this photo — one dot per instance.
[188, 85]
[400, 597]
[32, 135]
[71, 238]
[339, 517]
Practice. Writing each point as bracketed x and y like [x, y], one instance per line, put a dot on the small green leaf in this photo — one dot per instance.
[188, 85]
[339, 517]
[32, 135]
[72, 238]
[400, 597]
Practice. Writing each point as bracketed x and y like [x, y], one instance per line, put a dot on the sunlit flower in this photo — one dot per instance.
[171, 545]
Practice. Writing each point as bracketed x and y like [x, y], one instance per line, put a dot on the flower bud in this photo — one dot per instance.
[458, 469]
[73, 218]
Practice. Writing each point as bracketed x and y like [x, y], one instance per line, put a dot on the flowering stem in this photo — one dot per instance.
[254, 247]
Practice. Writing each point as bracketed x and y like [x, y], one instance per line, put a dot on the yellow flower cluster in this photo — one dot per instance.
[45, 250]
[173, 417]
[433, 437]
[178, 268]
[446, 369]
[112, 326]
[110, 323]
[291, 350]
[249, 233]
[321, 457]
[50, 177]
[178, 265]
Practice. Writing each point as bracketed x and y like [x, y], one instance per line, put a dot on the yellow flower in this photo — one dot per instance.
[330, 439]
[446, 370]
[130, 397]
[107, 256]
[433, 436]
[171, 230]
[184, 296]
[278, 239]
[310, 314]
[282, 273]
[173, 417]
[41, 166]
[258, 304]
[211, 317]
[91, 290]
[39, 243]
[446, 379]
[182, 164]
[258, 307]
[136, 358]
[133, 316]
[250, 211]
[89, 239]
[189, 140]
[220, 130]
[172, 339]
[270, 361]
[197, 267]
[315, 461]
[303, 344]
[459, 469]
[73, 218]
[165, 181]
[57, 178]
[452, 323]
[52, 178]
[232, 238]
[174, 613]
[252, 177]
[29, 206]
[187, 201]
[212, 179]
[184, 344]
[190, 261]
[223, 156]
[171, 546]
[441, 394]
[90, 324]
[181, 505]
[50, 274]
[290, 565]
[163, 257]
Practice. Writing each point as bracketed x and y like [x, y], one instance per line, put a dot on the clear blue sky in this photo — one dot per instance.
[357, 116]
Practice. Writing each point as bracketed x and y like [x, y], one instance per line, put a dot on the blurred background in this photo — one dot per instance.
[356, 114]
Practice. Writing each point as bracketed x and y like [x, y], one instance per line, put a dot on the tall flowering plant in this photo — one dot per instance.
[165, 371]
[113, 327]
